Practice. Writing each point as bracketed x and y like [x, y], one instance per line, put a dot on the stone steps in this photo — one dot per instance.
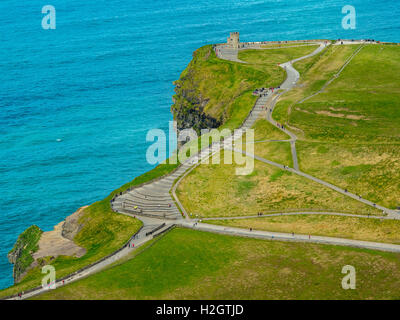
[142, 194]
[154, 215]
[149, 212]
[153, 198]
[141, 201]
[155, 207]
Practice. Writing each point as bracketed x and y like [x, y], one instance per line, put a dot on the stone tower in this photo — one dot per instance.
[233, 40]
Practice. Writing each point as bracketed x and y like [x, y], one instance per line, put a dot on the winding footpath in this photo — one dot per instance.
[158, 207]
[280, 214]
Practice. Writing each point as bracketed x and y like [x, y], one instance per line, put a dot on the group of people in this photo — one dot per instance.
[360, 197]
[261, 92]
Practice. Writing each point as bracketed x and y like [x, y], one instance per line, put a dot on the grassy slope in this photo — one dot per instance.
[216, 191]
[267, 144]
[268, 59]
[263, 130]
[187, 264]
[284, 45]
[371, 170]
[315, 72]
[357, 116]
[228, 86]
[221, 193]
[26, 245]
[323, 225]
[104, 232]
[361, 105]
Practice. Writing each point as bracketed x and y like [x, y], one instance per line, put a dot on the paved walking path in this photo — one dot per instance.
[393, 214]
[292, 78]
[138, 240]
[289, 237]
[152, 202]
[279, 214]
[334, 77]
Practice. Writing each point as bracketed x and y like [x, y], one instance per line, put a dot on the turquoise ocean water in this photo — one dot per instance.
[76, 102]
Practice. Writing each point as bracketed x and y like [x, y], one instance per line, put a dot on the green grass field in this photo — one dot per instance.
[349, 133]
[361, 105]
[315, 72]
[227, 86]
[367, 229]
[268, 59]
[187, 264]
[371, 170]
[268, 143]
[26, 245]
[348, 136]
[263, 130]
[103, 233]
[216, 191]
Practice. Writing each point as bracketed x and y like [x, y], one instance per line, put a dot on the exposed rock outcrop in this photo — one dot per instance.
[24, 248]
[34, 244]
[71, 224]
[189, 102]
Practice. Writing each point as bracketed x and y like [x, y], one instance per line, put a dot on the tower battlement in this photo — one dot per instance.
[234, 40]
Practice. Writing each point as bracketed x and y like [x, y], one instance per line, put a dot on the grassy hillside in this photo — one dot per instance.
[263, 130]
[212, 92]
[103, 232]
[216, 191]
[376, 230]
[187, 264]
[21, 253]
[362, 105]
[349, 136]
[315, 72]
[227, 87]
[356, 117]
[371, 170]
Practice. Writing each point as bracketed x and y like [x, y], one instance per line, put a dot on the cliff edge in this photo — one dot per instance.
[34, 244]
[21, 253]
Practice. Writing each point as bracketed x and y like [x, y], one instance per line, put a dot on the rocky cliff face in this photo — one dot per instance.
[24, 247]
[188, 108]
[71, 225]
[25, 252]
[189, 101]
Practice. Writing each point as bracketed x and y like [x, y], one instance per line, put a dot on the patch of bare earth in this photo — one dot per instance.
[341, 115]
[53, 243]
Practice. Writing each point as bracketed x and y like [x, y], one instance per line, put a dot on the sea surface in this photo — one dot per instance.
[77, 102]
